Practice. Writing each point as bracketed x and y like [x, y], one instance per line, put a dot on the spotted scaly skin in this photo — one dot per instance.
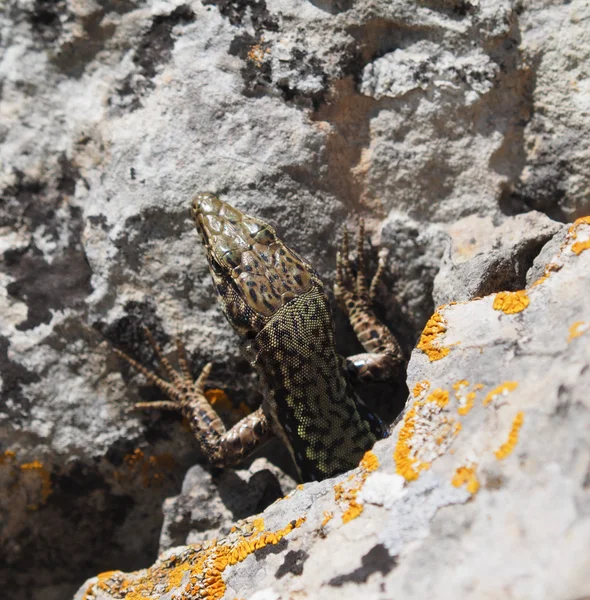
[276, 303]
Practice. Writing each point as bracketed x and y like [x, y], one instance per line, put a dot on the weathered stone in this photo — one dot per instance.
[302, 112]
[487, 254]
[484, 482]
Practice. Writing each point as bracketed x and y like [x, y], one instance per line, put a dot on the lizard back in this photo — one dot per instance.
[307, 391]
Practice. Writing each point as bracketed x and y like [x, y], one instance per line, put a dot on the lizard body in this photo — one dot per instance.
[276, 302]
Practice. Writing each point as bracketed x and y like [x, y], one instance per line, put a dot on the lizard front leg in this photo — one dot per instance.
[187, 396]
[383, 355]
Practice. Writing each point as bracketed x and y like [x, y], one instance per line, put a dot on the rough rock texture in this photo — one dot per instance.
[483, 491]
[487, 254]
[428, 117]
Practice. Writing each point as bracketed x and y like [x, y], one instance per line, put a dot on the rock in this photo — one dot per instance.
[488, 254]
[483, 483]
[207, 507]
[306, 113]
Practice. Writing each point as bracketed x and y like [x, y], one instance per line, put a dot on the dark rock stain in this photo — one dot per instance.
[376, 560]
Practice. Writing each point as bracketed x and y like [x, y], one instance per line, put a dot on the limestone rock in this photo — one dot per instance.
[483, 483]
[488, 254]
[308, 113]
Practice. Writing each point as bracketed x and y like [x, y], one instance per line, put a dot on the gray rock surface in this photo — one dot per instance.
[487, 254]
[417, 115]
[482, 491]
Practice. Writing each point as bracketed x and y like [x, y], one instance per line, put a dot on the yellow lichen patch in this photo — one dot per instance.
[328, 516]
[501, 390]
[427, 432]
[541, 280]
[465, 408]
[421, 386]
[429, 340]
[195, 572]
[176, 575]
[577, 329]
[44, 476]
[462, 383]
[7, 456]
[511, 302]
[218, 398]
[256, 54]
[152, 469]
[506, 449]
[574, 226]
[406, 466]
[368, 464]
[439, 397]
[222, 402]
[258, 524]
[352, 512]
[466, 476]
[465, 399]
[579, 247]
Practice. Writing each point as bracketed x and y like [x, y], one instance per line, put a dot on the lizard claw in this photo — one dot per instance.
[352, 288]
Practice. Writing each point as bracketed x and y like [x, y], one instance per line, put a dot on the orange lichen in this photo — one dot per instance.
[197, 571]
[406, 465]
[420, 387]
[465, 408]
[7, 456]
[577, 329]
[465, 400]
[152, 469]
[503, 390]
[462, 383]
[579, 247]
[368, 464]
[218, 398]
[427, 431]
[429, 340]
[511, 302]
[134, 457]
[256, 54]
[222, 402]
[574, 226]
[439, 397]
[352, 512]
[541, 279]
[258, 524]
[466, 476]
[45, 478]
[328, 516]
[506, 449]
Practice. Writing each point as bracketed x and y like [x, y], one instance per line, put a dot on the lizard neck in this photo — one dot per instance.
[307, 390]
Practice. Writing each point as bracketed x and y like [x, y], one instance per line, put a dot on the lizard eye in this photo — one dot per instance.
[265, 236]
[232, 258]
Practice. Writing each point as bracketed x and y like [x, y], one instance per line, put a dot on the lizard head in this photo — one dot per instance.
[255, 273]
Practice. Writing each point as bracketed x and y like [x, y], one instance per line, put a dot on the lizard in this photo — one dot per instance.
[277, 304]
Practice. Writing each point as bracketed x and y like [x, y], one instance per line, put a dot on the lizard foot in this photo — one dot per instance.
[181, 389]
[187, 396]
[352, 290]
